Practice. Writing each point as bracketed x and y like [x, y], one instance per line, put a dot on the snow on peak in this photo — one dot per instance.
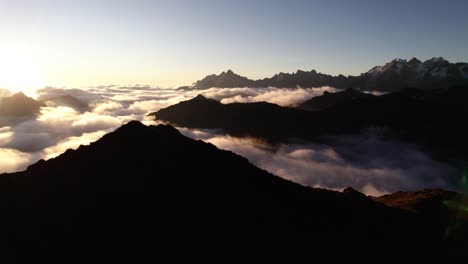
[399, 60]
[436, 60]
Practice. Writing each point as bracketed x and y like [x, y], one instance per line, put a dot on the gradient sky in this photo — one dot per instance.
[170, 43]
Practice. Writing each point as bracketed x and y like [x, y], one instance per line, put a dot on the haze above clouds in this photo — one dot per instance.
[371, 162]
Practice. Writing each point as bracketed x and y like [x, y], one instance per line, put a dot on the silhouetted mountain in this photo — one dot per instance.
[328, 99]
[18, 108]
[284, 80]
[151, 194]
[226, 79]
[67, 100]
[393, 76]
[398, 74]
[429, 117]
[19, 105]
[255, 119]
[303, 79]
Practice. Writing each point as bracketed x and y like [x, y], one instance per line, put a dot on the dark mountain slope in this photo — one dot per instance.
[149, 193]
[303, 79]
[433, 118]
[448, 210]
[19, 105]
[18, 108]
[329, 100]
[255, 119]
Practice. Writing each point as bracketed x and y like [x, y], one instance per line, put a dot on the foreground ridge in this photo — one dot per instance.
[150, 192]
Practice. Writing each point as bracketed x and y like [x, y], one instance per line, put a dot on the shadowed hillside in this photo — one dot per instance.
[19, 105]
[149, 193]
[432, 118]
[329, 100]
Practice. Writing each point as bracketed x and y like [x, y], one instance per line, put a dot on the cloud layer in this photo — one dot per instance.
[58, 128]
[371, 162]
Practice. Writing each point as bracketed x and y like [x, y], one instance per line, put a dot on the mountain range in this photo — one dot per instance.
[151, 194]
[329, 100]
[393, 76]
[432, 118]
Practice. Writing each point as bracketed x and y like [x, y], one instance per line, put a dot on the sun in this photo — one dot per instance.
[19, 73]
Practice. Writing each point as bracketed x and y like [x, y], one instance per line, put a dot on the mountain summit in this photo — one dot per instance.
[398, 74]
[226, 79]
[19, 105]
[150, 193]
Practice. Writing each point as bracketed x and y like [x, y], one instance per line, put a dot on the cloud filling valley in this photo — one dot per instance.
[372, 162]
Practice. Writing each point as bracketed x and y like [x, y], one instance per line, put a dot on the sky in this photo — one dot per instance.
[176, 42]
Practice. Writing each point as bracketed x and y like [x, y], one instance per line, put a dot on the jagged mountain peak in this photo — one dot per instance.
[227, 79]
[398, 60]
[436, 60]
[414, 60]
[394, 75]
[19, 104]
[228, 73]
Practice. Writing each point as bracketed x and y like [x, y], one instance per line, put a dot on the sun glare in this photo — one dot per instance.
[19, 73]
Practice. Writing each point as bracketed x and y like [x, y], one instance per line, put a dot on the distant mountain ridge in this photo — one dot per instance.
[328, 100]
[436, 114]
[19, 105]
[392, 76]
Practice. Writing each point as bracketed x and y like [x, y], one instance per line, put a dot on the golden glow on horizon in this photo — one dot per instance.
[19, 72]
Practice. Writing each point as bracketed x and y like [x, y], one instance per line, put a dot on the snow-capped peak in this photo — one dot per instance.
[435, 60]
[398, 60]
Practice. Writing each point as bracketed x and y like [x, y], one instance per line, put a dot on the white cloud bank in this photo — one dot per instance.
[370, 162]
[366, 162]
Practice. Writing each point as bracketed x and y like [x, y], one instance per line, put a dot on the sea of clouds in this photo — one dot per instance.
[372, 162]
